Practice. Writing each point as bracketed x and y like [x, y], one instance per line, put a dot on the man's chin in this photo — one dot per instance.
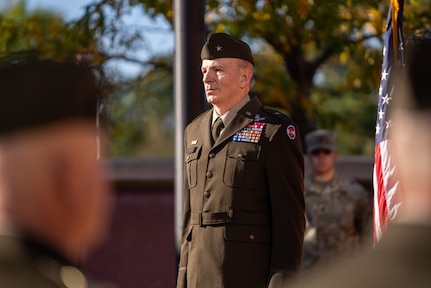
[211, 99]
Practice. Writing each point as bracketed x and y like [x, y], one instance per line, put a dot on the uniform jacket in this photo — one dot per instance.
[339, 216]
[243, 201]
[401, 259]
[25, 263]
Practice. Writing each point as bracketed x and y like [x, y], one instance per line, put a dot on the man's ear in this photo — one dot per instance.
[246, 77]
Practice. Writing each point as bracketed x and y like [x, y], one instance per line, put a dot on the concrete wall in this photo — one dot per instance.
[140, 249]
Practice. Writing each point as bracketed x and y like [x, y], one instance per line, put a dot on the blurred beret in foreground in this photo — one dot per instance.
[37, 92]
[417, 73]
[222, 45]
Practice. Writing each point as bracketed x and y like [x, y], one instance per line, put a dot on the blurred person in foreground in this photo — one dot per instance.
[402, 258]
[54, 201]
[244, 205]
[338, 209]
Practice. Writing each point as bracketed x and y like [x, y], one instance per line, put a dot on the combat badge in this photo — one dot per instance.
[250, 133]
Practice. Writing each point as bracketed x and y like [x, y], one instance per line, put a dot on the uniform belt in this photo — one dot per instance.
[219, 218]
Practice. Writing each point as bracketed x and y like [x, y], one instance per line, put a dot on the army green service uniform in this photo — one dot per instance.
[244, 206]
[25, 262]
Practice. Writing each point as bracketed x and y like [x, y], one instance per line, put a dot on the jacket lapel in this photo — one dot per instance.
[205, 128]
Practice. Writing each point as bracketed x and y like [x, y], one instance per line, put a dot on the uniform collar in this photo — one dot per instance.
[229, 115]
[245, 115]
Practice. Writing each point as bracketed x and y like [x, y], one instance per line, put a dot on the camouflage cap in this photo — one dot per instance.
[321, 139]
[222, 45]
[37, 92]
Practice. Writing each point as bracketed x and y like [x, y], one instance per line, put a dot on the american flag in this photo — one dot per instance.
[386, 190]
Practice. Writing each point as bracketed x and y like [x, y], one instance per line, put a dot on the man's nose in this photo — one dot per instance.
[206, 77]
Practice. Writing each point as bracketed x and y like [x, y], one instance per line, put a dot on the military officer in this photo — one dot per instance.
[54, 202]
[338, 209]
[243, 193]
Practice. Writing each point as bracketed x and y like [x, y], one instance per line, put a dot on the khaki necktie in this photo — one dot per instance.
[216, 129]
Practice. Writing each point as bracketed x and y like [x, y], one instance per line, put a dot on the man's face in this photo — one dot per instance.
[65, 197]
[222, 81]
[322, 160]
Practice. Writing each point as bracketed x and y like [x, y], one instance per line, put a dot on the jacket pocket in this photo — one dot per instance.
[241, 165]
[191, 160]
[247, 233]
[189, 234]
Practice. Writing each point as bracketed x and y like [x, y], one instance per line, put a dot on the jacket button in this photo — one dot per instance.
[209, 174]
[207, 194]
[251, 237]
[212, 155]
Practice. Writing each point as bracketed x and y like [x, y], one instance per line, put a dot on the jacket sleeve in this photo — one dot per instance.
[285, 179]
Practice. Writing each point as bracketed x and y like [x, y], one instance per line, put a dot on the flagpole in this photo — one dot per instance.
[189, 100]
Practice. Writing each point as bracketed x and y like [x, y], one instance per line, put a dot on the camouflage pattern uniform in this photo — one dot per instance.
[338, 218]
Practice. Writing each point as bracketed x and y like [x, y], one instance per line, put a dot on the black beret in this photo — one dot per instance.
[222, 45]
[33, 93]
[418, 72]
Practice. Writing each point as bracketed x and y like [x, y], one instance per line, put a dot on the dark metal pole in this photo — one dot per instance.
[189, 96]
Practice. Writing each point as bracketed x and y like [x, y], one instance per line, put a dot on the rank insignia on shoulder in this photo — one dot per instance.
[291, 132]
[250, 133]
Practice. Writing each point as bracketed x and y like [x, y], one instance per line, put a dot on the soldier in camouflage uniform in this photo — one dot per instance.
[338, 209]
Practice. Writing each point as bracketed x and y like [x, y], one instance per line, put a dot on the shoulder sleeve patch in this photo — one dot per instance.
[291, 132]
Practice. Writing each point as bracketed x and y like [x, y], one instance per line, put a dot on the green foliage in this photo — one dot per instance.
[138, 112]
[349, 115]
[320, 61]
[271, 81]
[43, 33]
[155, 8]
[338, 42]
[140, 117]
